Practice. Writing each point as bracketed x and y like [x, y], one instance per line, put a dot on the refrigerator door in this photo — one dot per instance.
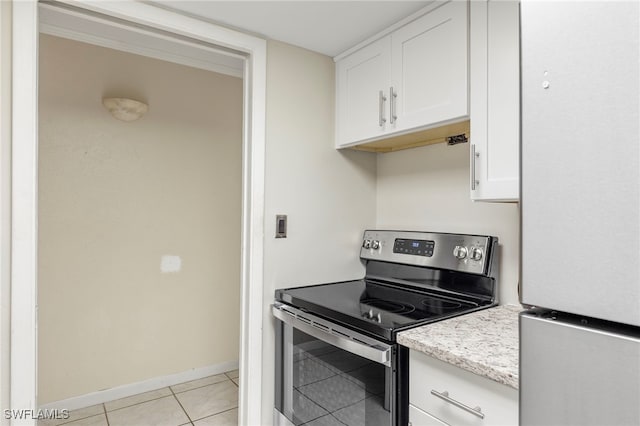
[574, 375]
[581, 158]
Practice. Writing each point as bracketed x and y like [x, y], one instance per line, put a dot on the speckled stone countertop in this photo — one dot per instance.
[483, 342]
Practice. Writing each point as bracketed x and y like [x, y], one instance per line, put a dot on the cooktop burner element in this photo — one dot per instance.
[388, 306]
[412, 278]
[379, 308]
[442, 304]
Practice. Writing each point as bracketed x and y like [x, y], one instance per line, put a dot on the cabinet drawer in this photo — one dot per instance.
[417, 417]
[498, 403]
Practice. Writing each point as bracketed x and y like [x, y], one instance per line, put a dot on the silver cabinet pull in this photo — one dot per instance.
[474, 155]
[477, 411]
[381, 100]
[393, 95]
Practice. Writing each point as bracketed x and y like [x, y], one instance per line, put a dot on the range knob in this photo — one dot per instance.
[366, 244]
[375, 244]
[475, 253]
[460, 252]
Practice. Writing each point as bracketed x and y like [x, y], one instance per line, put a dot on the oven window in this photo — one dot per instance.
[323, 385]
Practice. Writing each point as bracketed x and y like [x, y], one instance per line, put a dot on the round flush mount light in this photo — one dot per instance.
[125, 109]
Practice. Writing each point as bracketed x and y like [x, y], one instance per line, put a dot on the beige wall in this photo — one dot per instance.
[427, 189]
[114, 198]
[5, 204]
[332, 196]
[329, 195]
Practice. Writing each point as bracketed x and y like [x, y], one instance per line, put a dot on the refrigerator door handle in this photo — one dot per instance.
[477, 411]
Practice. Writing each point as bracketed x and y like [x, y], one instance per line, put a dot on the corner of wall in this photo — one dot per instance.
[328, 194]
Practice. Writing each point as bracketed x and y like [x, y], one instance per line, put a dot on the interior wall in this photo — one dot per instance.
[427, 189]
[117, 198]
[5, 206]
[328, 195]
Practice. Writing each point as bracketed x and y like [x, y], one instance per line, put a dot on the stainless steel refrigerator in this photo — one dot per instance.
[580, 186]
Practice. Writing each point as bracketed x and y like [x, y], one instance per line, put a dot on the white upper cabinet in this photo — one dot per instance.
[412, 79]
[362, 103]
[495, 100]
[429, 72]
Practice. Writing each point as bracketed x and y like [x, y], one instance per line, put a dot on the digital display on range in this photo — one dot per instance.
[414, 247]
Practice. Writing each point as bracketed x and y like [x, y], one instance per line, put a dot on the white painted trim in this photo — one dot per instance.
[24, 337]
[152, 53]
[171, 22]
[253, 170]
[5, 203]
[25, 32]
[131, 389]
[118, 36]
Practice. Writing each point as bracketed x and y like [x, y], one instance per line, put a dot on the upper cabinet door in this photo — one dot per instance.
[430, 68]
[495, 100]
[362, 93]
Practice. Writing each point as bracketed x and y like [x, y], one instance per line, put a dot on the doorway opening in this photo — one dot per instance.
[162, 25]
[138, 224]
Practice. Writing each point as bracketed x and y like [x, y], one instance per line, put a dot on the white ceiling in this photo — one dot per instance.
[327, 27]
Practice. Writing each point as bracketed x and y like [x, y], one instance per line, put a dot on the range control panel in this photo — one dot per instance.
[414, 247]
[460, 252]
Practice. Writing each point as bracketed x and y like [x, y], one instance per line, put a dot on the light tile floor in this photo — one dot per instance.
[211, 401]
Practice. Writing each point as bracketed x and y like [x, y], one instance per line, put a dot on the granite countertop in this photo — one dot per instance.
[483, 342]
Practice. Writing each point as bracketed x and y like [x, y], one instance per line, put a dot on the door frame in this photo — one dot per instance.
[24, 186]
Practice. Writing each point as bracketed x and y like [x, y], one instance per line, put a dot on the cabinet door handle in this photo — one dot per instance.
[381, 100]
[474, 155]
[477, 411]
[393, 95]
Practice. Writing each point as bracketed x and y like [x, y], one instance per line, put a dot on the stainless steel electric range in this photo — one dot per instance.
[337, 360]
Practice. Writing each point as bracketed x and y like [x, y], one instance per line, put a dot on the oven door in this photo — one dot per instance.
[330, 375]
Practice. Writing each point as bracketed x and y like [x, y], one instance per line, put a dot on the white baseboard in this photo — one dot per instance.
[124, 391]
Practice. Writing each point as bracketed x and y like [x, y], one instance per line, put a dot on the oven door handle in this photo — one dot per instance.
[335, 335]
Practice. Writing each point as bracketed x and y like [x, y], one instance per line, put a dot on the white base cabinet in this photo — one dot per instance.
[469, 399]
[495, 100]
[417, 417]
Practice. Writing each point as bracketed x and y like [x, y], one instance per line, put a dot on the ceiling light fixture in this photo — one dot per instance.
[125, 109]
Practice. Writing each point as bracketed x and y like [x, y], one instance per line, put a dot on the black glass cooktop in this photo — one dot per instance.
[376, 308]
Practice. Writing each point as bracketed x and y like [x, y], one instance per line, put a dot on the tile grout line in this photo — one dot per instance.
[211, 415]
[137, 403]
[69, 420]
[104, 408]
[174, 394]
[180, 404]
[198, 387]
[237, 385]
[216, 414]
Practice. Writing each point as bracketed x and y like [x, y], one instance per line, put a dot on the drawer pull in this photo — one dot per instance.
[445, 396]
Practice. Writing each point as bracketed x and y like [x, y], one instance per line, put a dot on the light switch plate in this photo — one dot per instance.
[281, 226]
